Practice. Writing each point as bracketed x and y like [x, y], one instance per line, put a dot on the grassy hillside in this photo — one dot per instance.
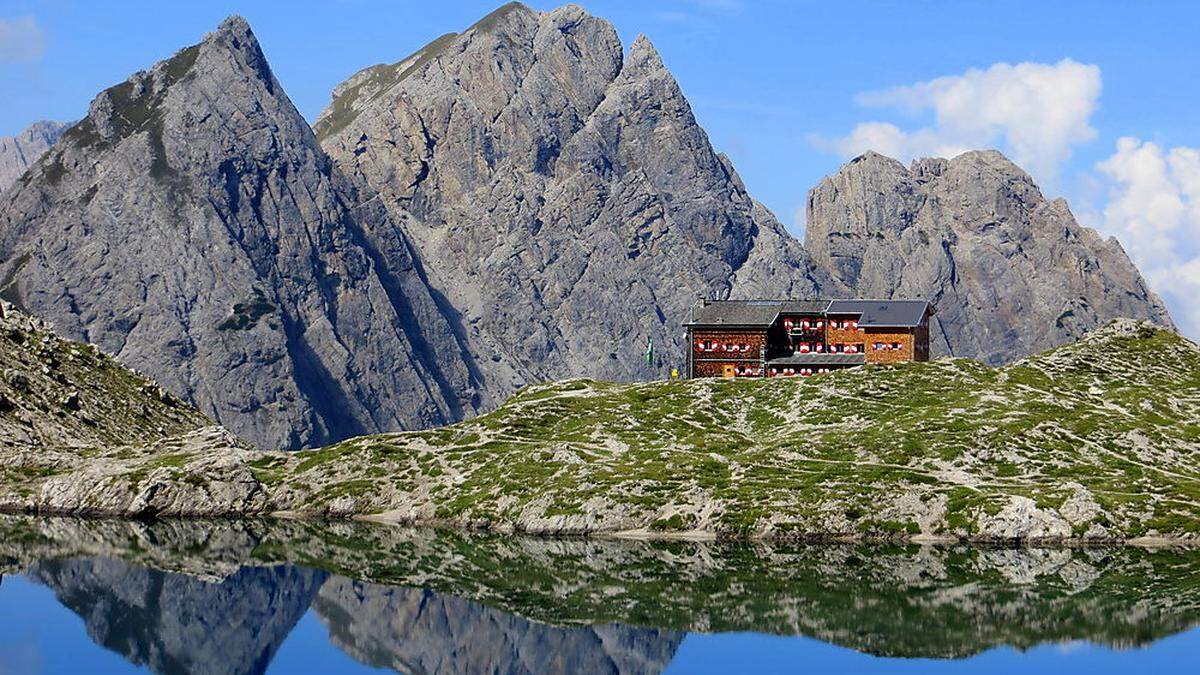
[55, 393]
[1100, 438]
[1096, 440]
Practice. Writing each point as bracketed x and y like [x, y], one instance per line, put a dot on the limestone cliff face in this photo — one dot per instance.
[191, 226]
[560, 192]
[414, 630]
[18, 152]
[1010, 272]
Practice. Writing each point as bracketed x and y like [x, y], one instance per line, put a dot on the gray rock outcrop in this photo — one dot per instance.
[1010, 272]
[560, 193]
[18, 152]
[191, 226]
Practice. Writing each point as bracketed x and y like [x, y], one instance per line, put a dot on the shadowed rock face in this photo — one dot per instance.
[191, 226]
[420, 631]
[560, 193]
[1009, 272]
[20, 151]
[172, 623]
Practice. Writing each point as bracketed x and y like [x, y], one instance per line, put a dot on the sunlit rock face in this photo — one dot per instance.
[18, 152]
[1009, 272]
[559, 191]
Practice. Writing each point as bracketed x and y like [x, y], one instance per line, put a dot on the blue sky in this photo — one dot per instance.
[788, 89]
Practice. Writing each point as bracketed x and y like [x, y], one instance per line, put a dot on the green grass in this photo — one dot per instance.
[822, 454]
[940, 448]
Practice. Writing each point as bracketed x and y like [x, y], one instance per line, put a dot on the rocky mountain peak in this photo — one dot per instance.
[512, 19]
[551, 181]
[869, 158]
[192, 226]
[234, 25]
[643, 57]
[1010, 272]
[18, 152]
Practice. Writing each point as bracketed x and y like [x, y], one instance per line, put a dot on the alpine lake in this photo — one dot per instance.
[94, 596]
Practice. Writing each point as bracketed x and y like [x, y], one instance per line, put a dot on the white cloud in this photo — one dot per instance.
[1153, 207]
[1034, 112]
[21, 40]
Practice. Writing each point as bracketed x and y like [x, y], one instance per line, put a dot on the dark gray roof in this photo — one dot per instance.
[762, 313]
[819, 360]
[803, 306]
[882, 313]
[735, 313]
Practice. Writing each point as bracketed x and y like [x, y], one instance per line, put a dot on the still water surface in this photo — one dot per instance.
[88, 597]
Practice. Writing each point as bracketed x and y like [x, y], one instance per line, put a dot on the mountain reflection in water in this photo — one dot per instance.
[224, 597]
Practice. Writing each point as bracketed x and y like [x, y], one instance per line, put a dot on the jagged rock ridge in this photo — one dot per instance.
[191, 226]
[560, 193]
[18, 152]
[1010, 272]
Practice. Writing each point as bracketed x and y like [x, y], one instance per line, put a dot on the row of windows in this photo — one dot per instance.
[821, 348]
[816, 324]
[732, 347]
[800, 348]
[788, 371]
